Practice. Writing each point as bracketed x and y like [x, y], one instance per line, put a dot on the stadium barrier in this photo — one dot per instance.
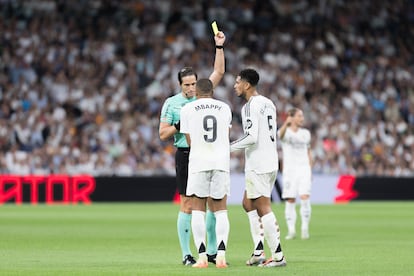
[85, 189]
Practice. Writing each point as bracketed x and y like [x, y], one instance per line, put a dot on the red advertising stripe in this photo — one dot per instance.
[346, 185]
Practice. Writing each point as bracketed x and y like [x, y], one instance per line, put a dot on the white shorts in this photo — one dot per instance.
[296, 183]
[214, 184]
[259, 184]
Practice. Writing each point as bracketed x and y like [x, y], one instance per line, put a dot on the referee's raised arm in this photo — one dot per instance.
[219, 62]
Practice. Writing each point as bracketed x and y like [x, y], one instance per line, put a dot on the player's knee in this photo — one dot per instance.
[291, 200]
[247, 206]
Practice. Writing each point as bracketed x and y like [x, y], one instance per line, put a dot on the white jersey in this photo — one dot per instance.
[259, 139]
[295, 146]
[208, 123]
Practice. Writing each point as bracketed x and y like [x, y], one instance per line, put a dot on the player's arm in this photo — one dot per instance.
[219, 63]
[282, 131]
[310, 157]
[250, 134]
[243, 142]
[308, 142]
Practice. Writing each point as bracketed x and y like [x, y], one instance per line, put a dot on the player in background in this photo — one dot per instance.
[297, 172]
[206, 123]
[170, 127]
[261, 167]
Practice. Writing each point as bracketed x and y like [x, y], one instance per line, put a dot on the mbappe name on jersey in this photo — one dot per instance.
[207, 106]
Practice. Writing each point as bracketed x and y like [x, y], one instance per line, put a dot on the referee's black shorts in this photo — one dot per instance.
[181, 169]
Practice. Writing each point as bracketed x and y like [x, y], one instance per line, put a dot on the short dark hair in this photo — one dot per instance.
[250, 75]
[204, 86]
[186, 71]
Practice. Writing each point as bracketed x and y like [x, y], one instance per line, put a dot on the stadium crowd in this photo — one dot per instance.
[82, 82]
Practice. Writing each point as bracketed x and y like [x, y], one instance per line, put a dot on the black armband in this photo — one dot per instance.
[177, 125]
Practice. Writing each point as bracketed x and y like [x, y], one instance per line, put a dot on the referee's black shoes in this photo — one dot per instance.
[189, 260]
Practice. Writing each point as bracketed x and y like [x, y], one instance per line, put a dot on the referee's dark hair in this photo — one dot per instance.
[186, 71]
[250, 75]
[204, 86]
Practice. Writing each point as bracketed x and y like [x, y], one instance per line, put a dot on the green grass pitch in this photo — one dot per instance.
[360, 238]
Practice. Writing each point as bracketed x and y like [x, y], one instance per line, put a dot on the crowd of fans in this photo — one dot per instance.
[82, 82]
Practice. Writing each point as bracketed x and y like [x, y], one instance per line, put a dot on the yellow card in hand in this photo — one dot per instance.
[215, 28]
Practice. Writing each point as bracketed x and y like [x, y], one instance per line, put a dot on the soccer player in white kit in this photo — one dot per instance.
[206, 123]
[261, 167]
[297, 174]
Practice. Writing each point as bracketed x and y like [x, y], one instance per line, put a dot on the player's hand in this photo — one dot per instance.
[289, 120]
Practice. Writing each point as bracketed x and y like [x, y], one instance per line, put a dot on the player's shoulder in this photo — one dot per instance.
[226, 106]
[260, 101]
[267, 100]
[221, 102]
[304, 133]
[305, 130]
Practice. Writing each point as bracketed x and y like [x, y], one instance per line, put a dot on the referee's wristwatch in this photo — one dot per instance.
[177, 125]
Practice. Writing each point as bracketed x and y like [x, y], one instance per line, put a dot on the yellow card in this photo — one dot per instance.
[215, 28]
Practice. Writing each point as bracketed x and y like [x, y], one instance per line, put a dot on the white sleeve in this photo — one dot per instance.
[308, 138]
[243, 142]
[251, 131]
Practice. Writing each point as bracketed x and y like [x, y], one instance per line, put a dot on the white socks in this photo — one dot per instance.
[198, 225]
[222, 231]
[272, 235]
[290, 215]
[305, 212]
[256, 231]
